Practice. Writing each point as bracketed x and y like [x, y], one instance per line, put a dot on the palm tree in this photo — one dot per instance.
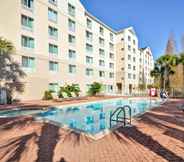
[10, 71]
[164, 69]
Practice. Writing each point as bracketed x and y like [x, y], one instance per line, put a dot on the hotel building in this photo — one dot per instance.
[146, 64]
[58, 42]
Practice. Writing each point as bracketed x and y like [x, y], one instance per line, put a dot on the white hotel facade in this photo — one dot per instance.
[58, 42]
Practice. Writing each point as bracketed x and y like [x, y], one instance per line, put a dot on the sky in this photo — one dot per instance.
[153, 20]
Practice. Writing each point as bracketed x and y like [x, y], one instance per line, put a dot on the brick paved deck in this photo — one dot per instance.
[157, 136]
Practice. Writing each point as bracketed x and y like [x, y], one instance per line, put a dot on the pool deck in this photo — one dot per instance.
[156, 136]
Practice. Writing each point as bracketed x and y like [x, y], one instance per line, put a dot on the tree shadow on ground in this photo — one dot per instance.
[18, 145]
[169, 131]
[76, 138]
[147, 141]
[62, 160]
[47, 142]
[16, 122]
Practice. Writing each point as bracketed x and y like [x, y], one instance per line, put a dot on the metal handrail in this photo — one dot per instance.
[119, 110]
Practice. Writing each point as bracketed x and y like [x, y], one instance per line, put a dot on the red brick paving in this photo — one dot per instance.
[157, 136]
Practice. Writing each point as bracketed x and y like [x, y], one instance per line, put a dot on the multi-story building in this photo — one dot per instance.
[146, 64]
[127, 61]
[59, 42]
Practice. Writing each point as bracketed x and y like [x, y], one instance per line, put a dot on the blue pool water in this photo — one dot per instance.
[90, 118]
[18, 112]
[93, 118]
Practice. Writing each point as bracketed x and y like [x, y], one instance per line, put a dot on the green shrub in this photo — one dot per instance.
[95, 88]
[68, 89]
[47, 95]
[76, 89]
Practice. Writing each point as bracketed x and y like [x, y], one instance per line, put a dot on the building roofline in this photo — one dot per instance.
[99, 21]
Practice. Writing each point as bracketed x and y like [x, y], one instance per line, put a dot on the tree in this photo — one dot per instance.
[164, 69]
[181, 60]
[95, 88]
[10, 71]
[171, 46]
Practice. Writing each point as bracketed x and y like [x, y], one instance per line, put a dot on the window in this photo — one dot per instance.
[110, 88]
[71, 39]
[89, 48]
[89, 72]
[53, 49]
[111, 37]
[54, 2]
[27, 22]
[111, 75]
[129, 47]
[102, 31]
[134, 59]
[28, 62]
[134, 67]
[101, 53]
[129, 38]
[53, 66]
[89, 36]
[71, 25]
[101, 42]
[111, 55]
[72, 69]
[72, 54]
[101, 63]
[101, 73]
[134, 76]
[111, 46]
[129, 57]
[52, 15]
[134, 42]
[134, 50]
[53, 32]
[27, 3]
[111, 65]
[89, 24]
[129, 66]
[129, 76]
[53, 87]
[71, 10]
[27, 42]
[89, 60]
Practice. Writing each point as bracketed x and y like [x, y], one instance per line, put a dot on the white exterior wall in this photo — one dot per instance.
[146, 66]
[123, 52]
[38, 79]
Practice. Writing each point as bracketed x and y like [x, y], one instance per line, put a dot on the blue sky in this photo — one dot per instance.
[153, 20]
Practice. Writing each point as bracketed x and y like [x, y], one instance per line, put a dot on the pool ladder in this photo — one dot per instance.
[117, 116]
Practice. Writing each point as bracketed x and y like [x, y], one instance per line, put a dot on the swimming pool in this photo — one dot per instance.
[91, 118]
[19, 112]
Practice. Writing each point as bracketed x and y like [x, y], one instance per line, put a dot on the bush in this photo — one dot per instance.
[47, 95]
[95, 88]
[68, 89]
[76, 89]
